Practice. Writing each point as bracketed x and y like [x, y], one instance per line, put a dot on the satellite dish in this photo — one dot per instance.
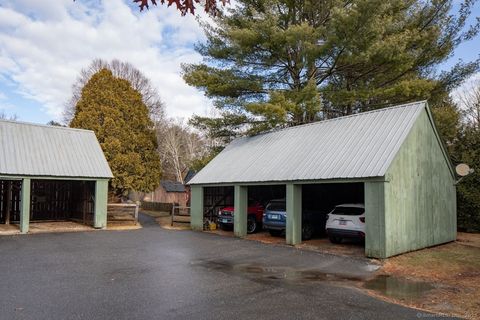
[463, 170]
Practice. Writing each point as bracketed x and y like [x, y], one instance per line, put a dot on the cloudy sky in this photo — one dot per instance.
[44, 44]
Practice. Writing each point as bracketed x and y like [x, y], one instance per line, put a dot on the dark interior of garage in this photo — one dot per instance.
[317, 200]
[10, 201]
[216, 198]
[51, 200]
[323, 197]
[54, 200]
[320, 199]
[264, 194]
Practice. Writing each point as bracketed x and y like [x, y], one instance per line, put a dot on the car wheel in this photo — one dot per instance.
[307, 231]
[275, 233]
[251, 225]
[334, 239]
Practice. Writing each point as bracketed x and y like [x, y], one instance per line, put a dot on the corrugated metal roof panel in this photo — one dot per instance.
[357, 146]
[39, 150]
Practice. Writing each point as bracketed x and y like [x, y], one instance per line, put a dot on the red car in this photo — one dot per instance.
[254, 220]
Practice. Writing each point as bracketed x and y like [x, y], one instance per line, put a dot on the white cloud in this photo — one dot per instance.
[44, 45]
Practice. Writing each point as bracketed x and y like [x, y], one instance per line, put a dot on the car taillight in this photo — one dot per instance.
[362, 219]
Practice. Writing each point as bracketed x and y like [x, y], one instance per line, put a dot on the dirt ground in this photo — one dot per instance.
[65, 226]
[454, 271]
[318, 244]
[165, 220]
[9, 229]
[123, 225]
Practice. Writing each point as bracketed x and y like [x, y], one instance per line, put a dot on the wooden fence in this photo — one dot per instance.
[122, 212]
[157, 206]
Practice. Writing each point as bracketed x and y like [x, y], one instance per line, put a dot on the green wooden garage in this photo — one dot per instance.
[395, 154]
[51, 173]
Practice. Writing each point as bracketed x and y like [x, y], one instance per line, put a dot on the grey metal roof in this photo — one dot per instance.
[356, 146]
[37, 150]
[172, 186]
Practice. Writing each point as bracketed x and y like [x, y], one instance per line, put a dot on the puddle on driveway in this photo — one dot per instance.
[388, 286]
[259, 272]
[398, 288]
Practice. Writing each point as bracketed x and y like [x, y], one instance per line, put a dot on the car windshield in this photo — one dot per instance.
[276, 206]
[348, 211]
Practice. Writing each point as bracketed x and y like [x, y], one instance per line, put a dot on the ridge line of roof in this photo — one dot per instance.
[335, 119]
[44, 125]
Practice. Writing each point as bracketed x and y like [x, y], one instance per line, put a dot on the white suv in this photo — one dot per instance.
[346, 221]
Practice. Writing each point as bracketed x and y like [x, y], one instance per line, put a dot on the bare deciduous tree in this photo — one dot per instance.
[469, 100]
[123, 70]
[178, 147]
[4, 116]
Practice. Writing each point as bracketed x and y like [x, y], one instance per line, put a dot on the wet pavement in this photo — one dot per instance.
[398, 288]
[152, 273]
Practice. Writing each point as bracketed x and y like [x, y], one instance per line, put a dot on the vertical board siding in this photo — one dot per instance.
[420, 205]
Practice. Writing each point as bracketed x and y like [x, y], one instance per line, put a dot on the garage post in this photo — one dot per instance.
[294, 214]
[196, 208]
[101, 198]
[25, 206]
[241, 211]
[375, 236]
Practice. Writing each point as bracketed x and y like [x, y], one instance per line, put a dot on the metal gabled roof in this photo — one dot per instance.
[38, 150]
[356, 146]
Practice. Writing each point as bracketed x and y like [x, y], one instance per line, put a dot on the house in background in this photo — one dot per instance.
[173, 192]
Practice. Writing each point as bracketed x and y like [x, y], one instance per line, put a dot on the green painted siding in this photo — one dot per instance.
[294, 214]
[375, 219]
[196, 208]
[25, 206]
[241, 211]
[101, 198]
[420, 205]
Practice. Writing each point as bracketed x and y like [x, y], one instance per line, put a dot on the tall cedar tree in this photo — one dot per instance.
[277, 63]
[115, 112]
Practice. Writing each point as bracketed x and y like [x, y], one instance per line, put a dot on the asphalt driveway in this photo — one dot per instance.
[153, 273]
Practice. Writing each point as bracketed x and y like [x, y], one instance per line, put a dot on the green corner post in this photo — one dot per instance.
[101, 198]
[196, 208]
[25, 206]
[294, 214]
[241, 208]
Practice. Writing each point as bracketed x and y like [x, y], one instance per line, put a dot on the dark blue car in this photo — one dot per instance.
[275, 220]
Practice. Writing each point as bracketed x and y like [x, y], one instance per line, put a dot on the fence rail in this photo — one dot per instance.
[182, 214]
[122, 212]
[157, 206]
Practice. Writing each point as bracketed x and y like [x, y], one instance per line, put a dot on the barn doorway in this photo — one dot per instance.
[10, 191]
[62, 200]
